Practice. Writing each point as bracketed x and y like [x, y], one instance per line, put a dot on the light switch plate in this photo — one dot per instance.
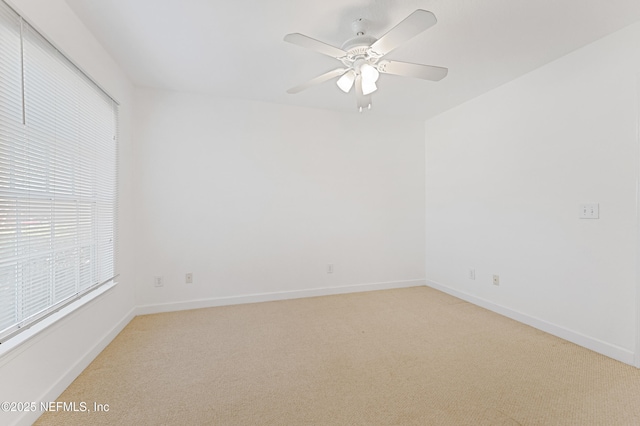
[590, 211]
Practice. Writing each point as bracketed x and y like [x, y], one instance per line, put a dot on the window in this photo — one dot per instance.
[58, 172]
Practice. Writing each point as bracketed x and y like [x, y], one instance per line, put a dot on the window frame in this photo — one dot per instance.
[24, 329]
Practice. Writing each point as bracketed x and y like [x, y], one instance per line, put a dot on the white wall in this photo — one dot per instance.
[506, 173]
[256, 199]
[43, 367]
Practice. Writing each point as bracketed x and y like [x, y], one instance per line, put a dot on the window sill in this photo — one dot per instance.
[18, 343]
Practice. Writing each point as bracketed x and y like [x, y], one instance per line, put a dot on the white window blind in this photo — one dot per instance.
[58, 172]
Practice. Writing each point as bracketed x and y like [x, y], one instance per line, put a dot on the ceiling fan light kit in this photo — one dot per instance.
[362, 57]
[345, 83]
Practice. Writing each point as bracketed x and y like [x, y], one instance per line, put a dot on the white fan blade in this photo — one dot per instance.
[363, 101]
[313, 44]
[406, 69]
[319, 79]
[414, 24]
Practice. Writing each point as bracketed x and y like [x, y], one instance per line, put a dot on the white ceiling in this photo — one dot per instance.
[235, 48]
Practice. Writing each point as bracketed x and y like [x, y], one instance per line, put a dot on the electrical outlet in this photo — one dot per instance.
[188, 278]
[329, 268]
[496, 280]
[157, 281]
[472, 273]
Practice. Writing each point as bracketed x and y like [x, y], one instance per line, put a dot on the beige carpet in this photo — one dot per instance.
[412, 356]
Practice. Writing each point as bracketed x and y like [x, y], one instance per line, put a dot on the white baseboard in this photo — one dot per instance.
[591, 343]
[72, 373]
[269, 297]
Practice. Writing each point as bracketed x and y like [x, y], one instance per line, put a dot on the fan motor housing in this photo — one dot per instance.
[358, 45]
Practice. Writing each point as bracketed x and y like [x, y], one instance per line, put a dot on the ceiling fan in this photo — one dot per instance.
[362, 57]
